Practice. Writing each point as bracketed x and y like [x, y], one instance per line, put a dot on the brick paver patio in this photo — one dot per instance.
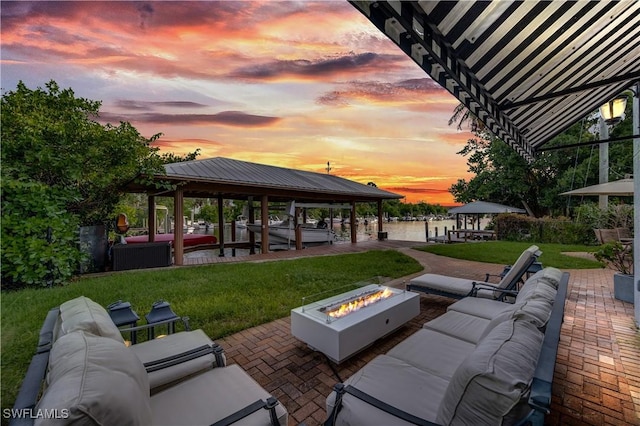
[597, 376]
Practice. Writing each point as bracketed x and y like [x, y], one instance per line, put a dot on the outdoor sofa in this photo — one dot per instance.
[457, 288]
[83, 373]
[482, 362]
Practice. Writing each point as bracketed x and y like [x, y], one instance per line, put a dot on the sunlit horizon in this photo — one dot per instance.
[254, 81]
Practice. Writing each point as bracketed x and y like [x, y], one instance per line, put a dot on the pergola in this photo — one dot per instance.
[228, 179]
[527, 69]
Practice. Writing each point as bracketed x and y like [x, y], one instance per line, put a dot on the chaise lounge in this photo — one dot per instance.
[458, 288]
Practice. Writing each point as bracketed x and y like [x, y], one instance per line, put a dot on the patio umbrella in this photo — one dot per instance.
[622, 187]
[483, 207]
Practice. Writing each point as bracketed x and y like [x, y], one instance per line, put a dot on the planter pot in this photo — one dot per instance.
[94, 244]
[623, 287]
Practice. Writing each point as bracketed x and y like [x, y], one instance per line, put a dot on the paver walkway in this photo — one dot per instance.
[597, 377]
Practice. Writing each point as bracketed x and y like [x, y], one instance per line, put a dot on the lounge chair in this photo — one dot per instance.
[457, 288]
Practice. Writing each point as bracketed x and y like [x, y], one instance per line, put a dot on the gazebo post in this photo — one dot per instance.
[264, 224]
[151, 207]
[221, 225]
[178, 228]
[379, 215]
[252, 219]
[352, 218]
[297, 229]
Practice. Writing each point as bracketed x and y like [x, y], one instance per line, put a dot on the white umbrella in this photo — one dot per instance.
[622, 187]
[484, 207]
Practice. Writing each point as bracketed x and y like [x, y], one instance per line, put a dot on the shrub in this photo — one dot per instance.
[614, 216]
[516, 227]
[39, 237]
[617, 256]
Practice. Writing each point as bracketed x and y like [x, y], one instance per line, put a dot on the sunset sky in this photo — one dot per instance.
[291, 84]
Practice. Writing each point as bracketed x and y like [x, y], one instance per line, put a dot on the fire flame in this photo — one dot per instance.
[359, 302]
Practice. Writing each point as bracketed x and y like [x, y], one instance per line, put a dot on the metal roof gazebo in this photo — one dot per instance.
[226, 178]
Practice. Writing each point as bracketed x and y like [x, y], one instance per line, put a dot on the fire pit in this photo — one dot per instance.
[342, 325]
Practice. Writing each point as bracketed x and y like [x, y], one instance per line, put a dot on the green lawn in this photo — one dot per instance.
[506, 252]
[221, 299]
[226, 298]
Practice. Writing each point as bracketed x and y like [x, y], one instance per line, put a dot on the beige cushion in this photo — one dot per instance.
[171, 345]
[461, 326]
[537, 289]
[210, 397]
[86, 315]
[536, 311]
[547, 277]
[395, 382]
[433, 352]
[444, 283]
[494, 378]
[98, 380]
[483, 308]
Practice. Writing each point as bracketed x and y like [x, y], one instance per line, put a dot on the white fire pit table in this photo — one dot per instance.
[342, 325]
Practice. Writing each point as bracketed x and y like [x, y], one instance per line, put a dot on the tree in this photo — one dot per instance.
[501, 176]
[53, 148]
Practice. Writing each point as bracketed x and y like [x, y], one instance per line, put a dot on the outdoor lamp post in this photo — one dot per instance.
[121, 314]
[161, 313]
[612, 111]
[610, 114]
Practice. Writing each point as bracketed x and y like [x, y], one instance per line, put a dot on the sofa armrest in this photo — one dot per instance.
[188, 355]
[540, 395]
[491, 287]
[23, 412]
[270, 405]
[45, 339]
[168, 322]
[340, 389]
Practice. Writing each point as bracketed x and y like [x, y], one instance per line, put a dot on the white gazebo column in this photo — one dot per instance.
[636, 199]
[603, 174]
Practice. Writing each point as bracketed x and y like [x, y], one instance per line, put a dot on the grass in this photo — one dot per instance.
[506, 252]
[226, 298]
[221, 299]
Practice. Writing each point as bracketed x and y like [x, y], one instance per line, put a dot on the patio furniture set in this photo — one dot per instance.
[482, 362]
[87, 375]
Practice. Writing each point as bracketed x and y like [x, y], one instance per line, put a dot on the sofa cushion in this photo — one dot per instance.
[543, 283]
[483, 308]
[495, 377]
[211, 396]
[86, 315]
[535, 310]
[396, 383]
[461, 326]
[98, 380]
[434, 352]
[171, 345]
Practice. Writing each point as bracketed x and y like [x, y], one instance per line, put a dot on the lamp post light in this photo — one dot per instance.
[612, 112]
[161, 313]
[121, 314]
